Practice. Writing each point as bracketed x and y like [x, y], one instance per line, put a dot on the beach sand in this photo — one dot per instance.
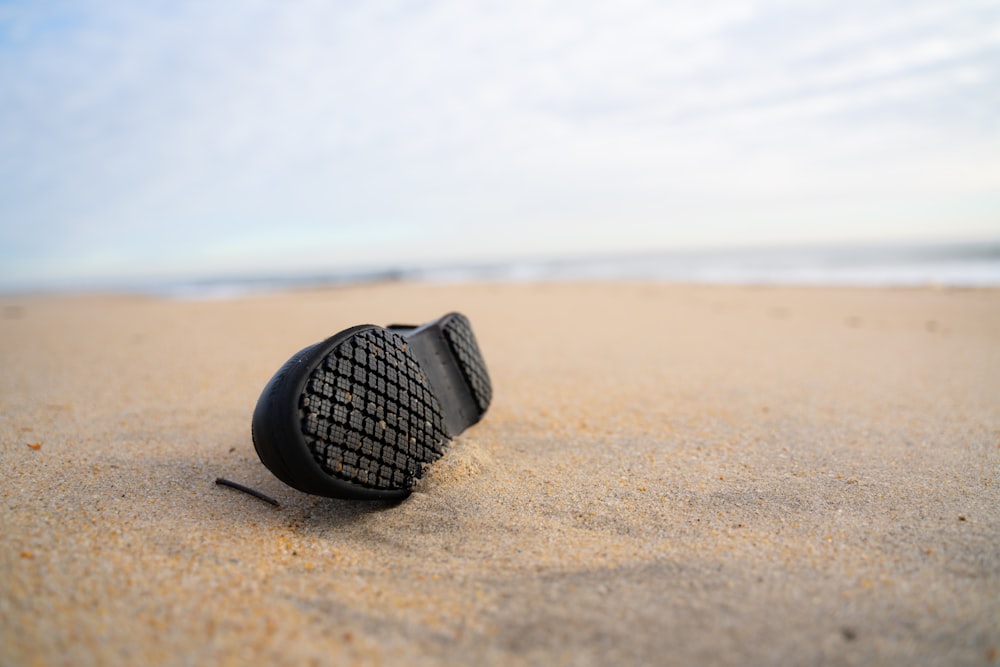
[667, 475]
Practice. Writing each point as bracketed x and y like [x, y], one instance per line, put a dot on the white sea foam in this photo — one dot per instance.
[955, 265]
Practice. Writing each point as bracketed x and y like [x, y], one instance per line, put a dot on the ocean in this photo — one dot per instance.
[974, 264]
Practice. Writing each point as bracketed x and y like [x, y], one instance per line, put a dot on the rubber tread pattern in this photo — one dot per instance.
[463, 344]
[368, 415]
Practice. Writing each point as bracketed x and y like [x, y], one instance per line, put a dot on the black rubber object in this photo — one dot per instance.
[360, 414]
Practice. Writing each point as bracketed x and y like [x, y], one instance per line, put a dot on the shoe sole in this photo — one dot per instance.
[361, 414]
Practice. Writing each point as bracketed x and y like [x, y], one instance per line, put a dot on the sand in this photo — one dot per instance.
[667, 475]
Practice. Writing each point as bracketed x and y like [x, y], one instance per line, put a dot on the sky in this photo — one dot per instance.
[179, 139]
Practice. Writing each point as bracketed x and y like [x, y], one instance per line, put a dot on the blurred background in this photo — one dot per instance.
[192, 143]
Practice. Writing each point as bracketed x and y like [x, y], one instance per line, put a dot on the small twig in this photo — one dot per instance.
[246, 489]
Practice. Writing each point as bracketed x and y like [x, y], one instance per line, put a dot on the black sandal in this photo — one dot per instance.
[360, 414]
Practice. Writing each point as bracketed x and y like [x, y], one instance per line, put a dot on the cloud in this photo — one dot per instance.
[180, 137]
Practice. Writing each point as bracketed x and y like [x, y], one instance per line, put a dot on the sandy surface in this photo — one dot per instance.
[668, 475]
